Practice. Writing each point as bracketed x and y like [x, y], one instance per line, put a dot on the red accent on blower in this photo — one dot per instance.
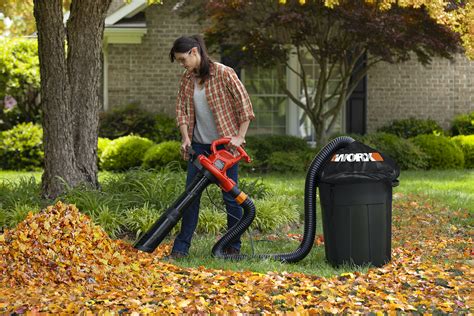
[220, 160]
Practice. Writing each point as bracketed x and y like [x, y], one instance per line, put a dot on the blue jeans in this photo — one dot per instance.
[191, 215]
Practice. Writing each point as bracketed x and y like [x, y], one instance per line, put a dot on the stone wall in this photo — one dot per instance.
[438, 91]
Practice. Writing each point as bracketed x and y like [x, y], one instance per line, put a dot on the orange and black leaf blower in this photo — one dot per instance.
[212, 170]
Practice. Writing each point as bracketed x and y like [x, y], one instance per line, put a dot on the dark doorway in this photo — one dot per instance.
[231, 56]
[356, 106]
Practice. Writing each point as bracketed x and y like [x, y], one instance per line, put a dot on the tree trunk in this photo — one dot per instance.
[85, 30]
[69, 89]
[60, 162]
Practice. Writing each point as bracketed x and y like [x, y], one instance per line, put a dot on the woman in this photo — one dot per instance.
[211, 103]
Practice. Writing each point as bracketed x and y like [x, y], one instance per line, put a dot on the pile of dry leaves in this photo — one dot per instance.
[59, 261]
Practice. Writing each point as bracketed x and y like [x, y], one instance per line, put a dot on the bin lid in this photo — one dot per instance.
[357, 163]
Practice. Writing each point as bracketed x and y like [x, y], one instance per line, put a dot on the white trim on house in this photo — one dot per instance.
[292, 84]
[105, 78]
[126, 11]
[124, 35]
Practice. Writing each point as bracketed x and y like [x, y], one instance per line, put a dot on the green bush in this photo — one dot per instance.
[261, 147]
[274, 213]
[254, 165]
[19, 79]
[466, 143]
[136, 187]
[12, 216]
[131, 119]
[124, 153]
[442, 153]
[403, 151]
[160, 155]
[463, 124]
[412, 127]
[211, 221]
[140, 219]
[102, 143]
[17, 198]
[282, 161]
[255, 188]
[165, 129]
[21, 148]
[125, 120]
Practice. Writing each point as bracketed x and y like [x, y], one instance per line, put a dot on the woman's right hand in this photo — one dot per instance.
[185, 145]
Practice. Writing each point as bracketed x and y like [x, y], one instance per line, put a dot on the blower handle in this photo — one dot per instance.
[220, 160]
[225, 141]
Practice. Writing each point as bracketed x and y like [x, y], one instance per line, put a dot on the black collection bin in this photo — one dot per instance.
[355, 189]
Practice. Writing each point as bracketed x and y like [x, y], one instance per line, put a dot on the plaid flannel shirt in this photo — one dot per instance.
[227, 97]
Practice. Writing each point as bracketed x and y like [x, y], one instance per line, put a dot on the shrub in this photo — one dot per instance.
[165, 129]
[463, 124]
[211, 221]
[19, 79]
[403, 151]
[137, 187]
[412, 127]
[131, 119]
[282, 161]
[124, 153]
[254, 165]
[12, 216]
[261, 148]
[123, 121]
[23, 191]
[442, 153]
[111, 220]
[160, 155]
[17, 198]
[140, 219]
[21, 148]
[466, 143]
[256, 189]
[102, 143]
[275, 212]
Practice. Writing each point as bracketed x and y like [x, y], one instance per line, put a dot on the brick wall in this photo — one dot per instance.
[142, 73]
[439, 91]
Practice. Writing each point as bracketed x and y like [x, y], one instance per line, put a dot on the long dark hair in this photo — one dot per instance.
[184, 44]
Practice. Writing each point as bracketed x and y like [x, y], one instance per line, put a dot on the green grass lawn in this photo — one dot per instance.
[451, 189]
[7, 175]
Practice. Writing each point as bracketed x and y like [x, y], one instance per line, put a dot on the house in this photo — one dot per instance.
[136, 69]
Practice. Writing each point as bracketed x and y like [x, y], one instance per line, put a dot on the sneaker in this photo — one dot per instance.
[175, 256]
[231, 251]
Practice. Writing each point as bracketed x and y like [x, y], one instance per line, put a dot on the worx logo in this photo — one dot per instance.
[357, 157]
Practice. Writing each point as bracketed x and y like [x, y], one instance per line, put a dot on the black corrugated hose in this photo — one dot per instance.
[309, 213]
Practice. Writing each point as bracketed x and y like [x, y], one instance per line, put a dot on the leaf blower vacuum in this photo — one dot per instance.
[212, 169]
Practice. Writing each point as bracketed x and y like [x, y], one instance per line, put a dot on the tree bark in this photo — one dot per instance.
[69, 89]
[85, 30]
[60, 162]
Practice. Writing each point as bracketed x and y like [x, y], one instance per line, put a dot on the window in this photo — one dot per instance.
[312, 72]
[269, 102]
[275, 113]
